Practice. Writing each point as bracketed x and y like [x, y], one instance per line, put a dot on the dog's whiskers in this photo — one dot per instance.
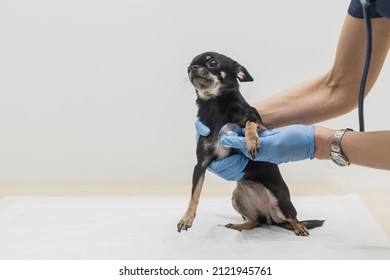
[186, 80]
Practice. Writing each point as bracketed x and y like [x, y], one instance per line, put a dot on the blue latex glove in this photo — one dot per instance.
[279, 145]
[201, 129]
[284, 144]
[230, 168]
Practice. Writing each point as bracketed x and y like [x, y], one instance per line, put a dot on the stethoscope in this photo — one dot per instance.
[367, 18]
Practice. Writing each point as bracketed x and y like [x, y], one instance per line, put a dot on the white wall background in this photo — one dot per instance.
[95, 91]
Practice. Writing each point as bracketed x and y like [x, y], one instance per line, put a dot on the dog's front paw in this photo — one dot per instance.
[252, 144]
[185, 223]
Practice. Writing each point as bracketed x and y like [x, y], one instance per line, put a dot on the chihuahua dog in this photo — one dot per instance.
[261, 196]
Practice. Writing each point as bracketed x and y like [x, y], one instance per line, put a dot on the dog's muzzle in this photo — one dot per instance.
[199, 77]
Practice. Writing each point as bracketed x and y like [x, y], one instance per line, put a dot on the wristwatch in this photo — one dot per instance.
[335, 151]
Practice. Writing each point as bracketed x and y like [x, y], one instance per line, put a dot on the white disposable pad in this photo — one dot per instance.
[145, 228]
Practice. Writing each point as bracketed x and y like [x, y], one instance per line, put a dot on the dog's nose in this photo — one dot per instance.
[193, 67]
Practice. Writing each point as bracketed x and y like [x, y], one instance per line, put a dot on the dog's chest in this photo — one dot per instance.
[220, 151]
[216, 149]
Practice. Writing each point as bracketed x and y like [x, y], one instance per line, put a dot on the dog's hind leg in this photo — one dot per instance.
[250, 200]
[248, 224]
[284, 210]
[298, 228]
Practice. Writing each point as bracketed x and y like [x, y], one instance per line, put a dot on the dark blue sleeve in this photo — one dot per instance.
[377, 8]
[383, 7]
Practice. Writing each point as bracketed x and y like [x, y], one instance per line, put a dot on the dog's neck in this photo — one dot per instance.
[228, 86]
[217, 111]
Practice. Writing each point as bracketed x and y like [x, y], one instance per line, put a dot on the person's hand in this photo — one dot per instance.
[279, 145]
[230, 168]
[201, 129]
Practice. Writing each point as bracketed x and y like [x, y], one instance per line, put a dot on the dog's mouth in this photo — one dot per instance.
[200, 77]
[201, 82]
[207, 86]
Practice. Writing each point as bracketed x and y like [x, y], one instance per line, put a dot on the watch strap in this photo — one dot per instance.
[336, 146]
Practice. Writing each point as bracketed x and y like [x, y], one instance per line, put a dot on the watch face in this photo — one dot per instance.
[338, 159]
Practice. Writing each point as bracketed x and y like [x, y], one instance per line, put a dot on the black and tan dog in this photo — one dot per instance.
[261, 196]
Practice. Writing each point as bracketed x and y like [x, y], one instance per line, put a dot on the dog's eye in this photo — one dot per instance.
[213, 63]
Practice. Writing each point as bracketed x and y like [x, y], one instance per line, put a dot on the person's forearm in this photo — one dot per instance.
[310, 102]
[371, 149]
[336, 92]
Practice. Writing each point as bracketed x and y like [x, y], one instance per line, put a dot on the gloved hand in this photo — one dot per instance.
[284, 144]
[201, 129]
[230, 168]
[279, 145]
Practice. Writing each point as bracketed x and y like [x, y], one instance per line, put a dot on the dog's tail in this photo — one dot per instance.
[309, 224]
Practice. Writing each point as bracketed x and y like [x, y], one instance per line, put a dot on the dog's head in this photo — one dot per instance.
[210, 72]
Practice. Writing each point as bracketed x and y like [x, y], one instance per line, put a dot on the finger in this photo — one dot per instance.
[235, 142]
[230, 168]
[269, 132]
[201, 128]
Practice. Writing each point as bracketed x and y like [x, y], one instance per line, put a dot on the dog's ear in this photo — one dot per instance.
[242, 74]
